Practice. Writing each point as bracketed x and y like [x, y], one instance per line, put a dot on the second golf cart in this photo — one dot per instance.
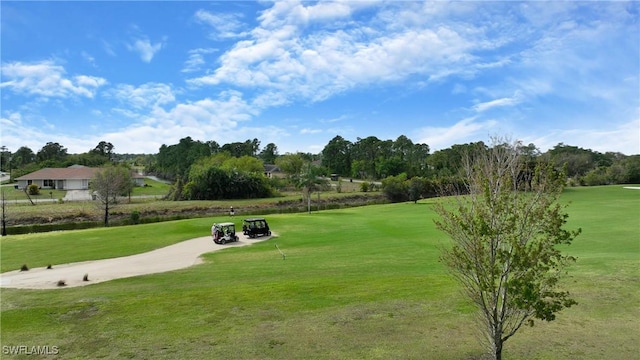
[255, 227]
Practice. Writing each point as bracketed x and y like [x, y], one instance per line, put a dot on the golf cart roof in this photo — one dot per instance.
[225, 224]
[254, 219]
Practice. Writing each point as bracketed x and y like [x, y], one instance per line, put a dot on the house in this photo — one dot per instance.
[75, 177]
[272, 170]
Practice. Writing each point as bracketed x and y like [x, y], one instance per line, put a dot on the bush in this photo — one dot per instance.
[396, 188]
[364, 186]
[33, 189]
[596, 177]
[135, 217]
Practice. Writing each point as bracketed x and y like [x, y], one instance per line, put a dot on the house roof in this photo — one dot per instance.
[72, 172]
[78, 172]
[271, 168]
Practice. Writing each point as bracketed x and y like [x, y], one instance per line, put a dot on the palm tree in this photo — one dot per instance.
[309, 181]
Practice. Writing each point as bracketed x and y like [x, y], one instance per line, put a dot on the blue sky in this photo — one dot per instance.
[142, 74]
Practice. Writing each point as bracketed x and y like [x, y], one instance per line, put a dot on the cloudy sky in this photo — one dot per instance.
[142, 74]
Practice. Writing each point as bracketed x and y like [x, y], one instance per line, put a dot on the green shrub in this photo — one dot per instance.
[135, 217]
[28, 229]
[33, 189]
[396, 188]
[364, 186]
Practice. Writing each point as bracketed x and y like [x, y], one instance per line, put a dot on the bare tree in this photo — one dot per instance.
[110, 183]
[505, 241]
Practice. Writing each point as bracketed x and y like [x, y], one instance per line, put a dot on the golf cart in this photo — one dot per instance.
[223, 233]
[256, 227]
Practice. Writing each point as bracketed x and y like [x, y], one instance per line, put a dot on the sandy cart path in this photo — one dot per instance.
[173, 257]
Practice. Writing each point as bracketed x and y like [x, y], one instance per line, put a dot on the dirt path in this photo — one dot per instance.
[173, 257]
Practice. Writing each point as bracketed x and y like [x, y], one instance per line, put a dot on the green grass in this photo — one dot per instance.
[153, 188]
[359, 283]
[11, 194]
[46, 212]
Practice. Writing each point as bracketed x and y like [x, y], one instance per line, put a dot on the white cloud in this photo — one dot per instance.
[320, 64]
[108, 48]
[207, 119]
[624, 138]
[507, 101]
[14, 119]
[336, 119]
[225, 25]
[46, 78]
[576, 58]
[17, 133]
[458, 89]
[196, 59]
[269, 99]
[294, 12]
[143, 96]
[145, 49]
[310, 131]
[464, 131]
[206, 115]
[88, 58]
[89, 81]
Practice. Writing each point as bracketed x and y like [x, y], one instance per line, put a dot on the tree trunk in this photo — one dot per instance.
[497, 349]
[106, 214]
[4, 214]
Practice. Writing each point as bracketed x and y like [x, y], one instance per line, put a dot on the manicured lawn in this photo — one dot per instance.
[153, 188]
[12, 195]
[359, 283]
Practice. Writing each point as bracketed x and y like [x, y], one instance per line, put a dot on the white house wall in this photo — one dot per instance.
[22, 184]
[75, 184]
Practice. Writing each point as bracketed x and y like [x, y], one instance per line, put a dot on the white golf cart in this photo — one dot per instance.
[223, 233]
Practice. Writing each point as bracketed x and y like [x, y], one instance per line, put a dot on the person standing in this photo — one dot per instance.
[213, 231]
[231, 211]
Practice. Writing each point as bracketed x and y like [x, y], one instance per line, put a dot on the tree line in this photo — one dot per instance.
[55, 155]
[407, 170]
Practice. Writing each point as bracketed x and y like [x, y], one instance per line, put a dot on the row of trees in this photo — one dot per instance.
[372, 158]
[367, 158]
[173, 161]
[398, 161]
[53, 154]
